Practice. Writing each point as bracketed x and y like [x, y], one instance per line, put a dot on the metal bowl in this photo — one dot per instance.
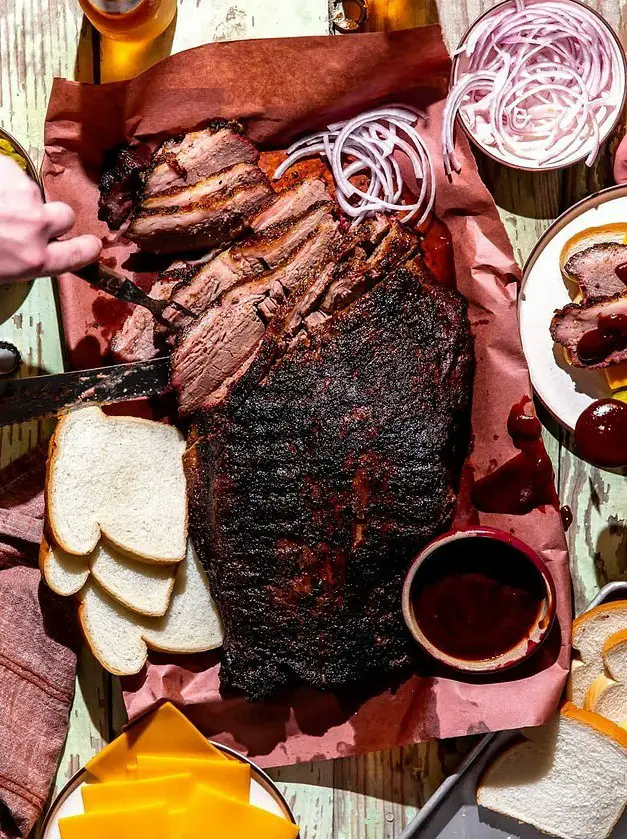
[31, 169]
[610, 123]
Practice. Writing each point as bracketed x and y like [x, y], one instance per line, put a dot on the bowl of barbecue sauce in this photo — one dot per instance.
[479, 600]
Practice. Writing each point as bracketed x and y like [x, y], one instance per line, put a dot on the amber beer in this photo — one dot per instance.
[130, 20]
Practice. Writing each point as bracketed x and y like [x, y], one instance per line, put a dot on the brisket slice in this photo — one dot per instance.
[120, 183]
[196, 156]
[231, 268]
[211, 213]
[594, 269]
[573, 321]
[313, 488]
[214, 351]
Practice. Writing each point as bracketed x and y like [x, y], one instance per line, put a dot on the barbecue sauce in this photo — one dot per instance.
[477, 598]
[601, 433]
[526, 480]
[437, 249]
[609, 336]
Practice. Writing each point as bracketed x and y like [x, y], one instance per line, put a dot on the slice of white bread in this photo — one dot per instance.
[63, 572]
[615, 656]
[119, 638]
[119, 477]
[541, 782]
[192, 624]
[142, 587]
[608, 698]
[590, 632]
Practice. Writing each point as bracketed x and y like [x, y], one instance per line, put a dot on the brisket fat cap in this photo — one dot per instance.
[312, 490]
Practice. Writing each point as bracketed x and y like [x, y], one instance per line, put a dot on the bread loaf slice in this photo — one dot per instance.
[120, 639]
[542, 781]
[119, 477]
[609, 699]
[142, 587]
[64, 573]
[590, 632]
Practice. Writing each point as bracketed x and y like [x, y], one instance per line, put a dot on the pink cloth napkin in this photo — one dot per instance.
[37, 662]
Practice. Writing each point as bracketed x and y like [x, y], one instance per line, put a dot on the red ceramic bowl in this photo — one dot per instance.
[457, 553]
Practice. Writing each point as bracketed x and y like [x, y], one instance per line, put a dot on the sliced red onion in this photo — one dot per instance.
[368, 144]
[539, 80]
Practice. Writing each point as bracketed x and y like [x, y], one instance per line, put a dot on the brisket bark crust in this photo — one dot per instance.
[318, 479]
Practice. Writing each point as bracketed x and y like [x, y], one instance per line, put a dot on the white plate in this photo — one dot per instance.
[69, 802]
[565, 391]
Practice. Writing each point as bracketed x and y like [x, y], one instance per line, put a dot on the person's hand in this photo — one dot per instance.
[28, 228]
[620, 162]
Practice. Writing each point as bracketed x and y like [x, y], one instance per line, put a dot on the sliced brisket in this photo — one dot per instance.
[572, 322]
[316, 485]
[198, 155]
[594, 269]
[121, 182]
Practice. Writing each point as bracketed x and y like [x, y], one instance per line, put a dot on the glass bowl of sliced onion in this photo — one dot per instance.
[536, 84]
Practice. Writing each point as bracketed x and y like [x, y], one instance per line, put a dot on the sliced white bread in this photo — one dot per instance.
[540, 782]
[142, 587]
[615, 656]
[119, 638]
[608, 698]
[119, 477]
[192, 624]
[590, 632]
[64, 573]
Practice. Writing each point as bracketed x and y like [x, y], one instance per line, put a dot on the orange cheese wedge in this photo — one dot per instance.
[227, 777]
[171, 792]
[226, 817]
[153, 821]
[165, 731]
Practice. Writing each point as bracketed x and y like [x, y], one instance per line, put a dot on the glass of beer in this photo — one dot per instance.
[130, 20]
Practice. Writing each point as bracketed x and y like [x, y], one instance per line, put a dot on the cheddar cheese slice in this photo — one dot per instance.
[227, 777]
[152, 821]
[172, 791]
[165, 731]
[226, 817]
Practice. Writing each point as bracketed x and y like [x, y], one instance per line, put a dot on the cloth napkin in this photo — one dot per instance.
[37, 653]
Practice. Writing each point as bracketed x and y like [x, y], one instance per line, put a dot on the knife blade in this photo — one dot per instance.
[36, 397]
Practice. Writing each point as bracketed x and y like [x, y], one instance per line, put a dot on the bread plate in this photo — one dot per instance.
[564, 390]
[452, 811]
[264, 793]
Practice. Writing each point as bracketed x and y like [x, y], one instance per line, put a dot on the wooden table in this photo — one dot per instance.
[371, 796]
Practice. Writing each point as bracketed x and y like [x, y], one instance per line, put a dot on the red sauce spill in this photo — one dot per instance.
[475, 599]
[109, 314]
[525, 481]
[609, 336]
[621, 272]
[601, 433]
[567, 516]
[437, 249]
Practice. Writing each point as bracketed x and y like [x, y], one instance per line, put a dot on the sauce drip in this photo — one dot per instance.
[477, 598]
[567, 516]
[437, 249]
[601, 433]
[621, 272]
[609, 336]
[526, 480]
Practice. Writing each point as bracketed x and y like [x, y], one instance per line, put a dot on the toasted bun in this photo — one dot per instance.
[142, 587]
[616, 232]
[64, 573]
[119, 477]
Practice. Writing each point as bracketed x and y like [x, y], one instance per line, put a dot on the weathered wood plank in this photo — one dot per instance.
[308, 789]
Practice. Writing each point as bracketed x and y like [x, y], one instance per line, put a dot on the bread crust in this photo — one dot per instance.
[595, 612]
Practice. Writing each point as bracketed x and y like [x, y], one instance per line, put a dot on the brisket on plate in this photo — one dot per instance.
[331, 462]
[594, 269]
[572, 322]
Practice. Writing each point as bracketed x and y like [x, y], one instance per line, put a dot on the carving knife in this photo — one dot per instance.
[44, 396]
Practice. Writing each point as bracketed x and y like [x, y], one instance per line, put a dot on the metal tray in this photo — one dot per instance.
[452, 811]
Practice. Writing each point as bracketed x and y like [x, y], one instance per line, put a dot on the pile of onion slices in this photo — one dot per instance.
[373, 144]
[536, 82]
